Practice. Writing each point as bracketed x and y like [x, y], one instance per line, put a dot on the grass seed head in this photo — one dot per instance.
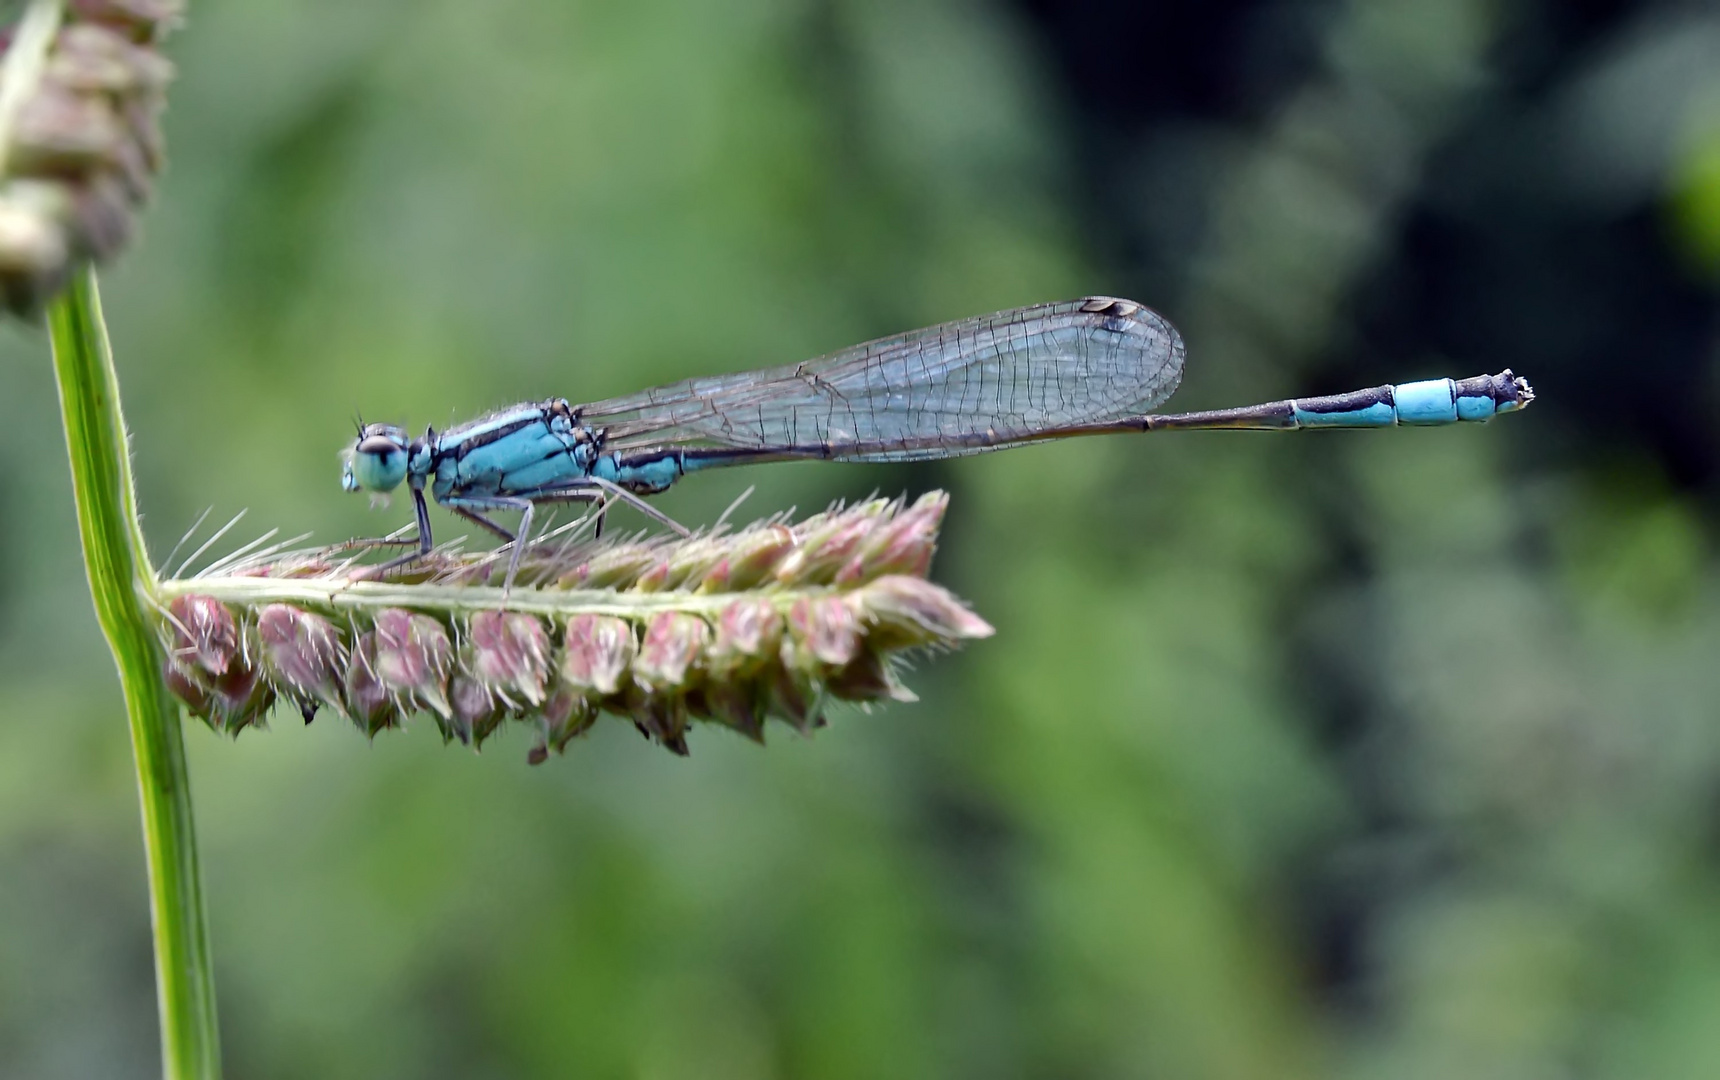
[774, 620]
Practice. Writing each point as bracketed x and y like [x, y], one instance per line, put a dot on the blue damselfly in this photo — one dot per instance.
[1051, 371]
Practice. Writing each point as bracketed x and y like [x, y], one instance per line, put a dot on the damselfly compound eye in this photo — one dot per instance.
[377, 462]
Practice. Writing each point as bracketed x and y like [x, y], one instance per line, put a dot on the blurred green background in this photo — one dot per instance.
[1388, 754]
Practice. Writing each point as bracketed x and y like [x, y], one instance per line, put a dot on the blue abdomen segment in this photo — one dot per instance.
[1419, 404]
[1425, 403]
[643, 473]
[1371, 410]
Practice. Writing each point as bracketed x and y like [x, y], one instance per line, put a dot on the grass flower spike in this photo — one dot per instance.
[727, 628]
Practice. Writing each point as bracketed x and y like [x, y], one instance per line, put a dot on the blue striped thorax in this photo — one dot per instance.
[526, 448]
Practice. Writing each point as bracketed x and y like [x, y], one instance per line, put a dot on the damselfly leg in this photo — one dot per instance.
[616, 491]
[478, 519]
[422, 513]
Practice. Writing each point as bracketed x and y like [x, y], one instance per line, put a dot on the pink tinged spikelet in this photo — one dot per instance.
[689, 562]
[210, 666]
[599, 650]
[748, 631]
[664, 670]
[747, 637]
[614, 567]
[654, 578]
[829, 544]
[304, 657]
[749, 559]
[565, 715]
[908, 612]
[900, 545]
[413, 655]
[503, 669]
[369, 702]
[242, 697]
[475, 712]
[510, 656]
[187, 689]
[825, 630]
[673, 643]
[205, 634]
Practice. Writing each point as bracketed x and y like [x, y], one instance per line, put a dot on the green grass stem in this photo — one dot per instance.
[122, 583]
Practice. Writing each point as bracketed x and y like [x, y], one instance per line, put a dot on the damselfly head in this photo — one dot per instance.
[377, 461]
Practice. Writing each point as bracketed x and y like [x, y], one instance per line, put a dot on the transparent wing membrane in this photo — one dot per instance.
[928, 393]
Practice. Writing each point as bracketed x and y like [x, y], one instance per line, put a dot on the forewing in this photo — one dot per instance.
[1010, 375]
